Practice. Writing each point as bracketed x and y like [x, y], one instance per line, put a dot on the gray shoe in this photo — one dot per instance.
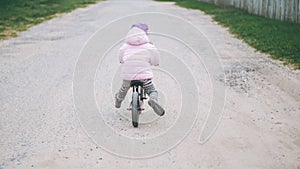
[156, 107]
[118, 102]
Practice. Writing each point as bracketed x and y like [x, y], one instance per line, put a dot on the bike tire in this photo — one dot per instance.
[135, 109]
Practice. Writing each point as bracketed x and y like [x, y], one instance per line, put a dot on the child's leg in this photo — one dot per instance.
[150, 89]
[120, 96]
[153, 101]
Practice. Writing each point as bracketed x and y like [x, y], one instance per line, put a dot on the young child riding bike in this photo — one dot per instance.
[137, 55]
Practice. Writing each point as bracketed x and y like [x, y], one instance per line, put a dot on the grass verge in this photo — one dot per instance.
[19, 15]
[280, 39]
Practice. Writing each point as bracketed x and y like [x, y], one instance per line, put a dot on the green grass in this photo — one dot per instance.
[19, 15]
[280, 39]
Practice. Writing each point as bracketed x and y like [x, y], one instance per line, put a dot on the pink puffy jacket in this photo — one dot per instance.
[137, 55]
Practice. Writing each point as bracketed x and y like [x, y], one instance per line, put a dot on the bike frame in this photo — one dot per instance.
[137, 86]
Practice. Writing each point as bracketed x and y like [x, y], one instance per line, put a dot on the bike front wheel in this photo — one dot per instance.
[135, 109]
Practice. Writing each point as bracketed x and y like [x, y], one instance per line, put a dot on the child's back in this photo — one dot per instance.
[137, 56]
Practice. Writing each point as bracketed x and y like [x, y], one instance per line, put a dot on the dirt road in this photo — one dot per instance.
[227, 106]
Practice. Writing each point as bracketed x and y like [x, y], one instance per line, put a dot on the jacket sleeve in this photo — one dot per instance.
[121, 54]
[155, 56]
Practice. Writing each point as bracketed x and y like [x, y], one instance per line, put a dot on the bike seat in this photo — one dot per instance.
[136, 83]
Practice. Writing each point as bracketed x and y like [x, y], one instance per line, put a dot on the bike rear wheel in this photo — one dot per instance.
[135, 109]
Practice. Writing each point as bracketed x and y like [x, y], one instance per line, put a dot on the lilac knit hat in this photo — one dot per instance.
[142, 26]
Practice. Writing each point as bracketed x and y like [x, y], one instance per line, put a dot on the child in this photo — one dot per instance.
[137, 55]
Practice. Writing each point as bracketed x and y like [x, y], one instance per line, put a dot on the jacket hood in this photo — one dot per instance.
[136, 37]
